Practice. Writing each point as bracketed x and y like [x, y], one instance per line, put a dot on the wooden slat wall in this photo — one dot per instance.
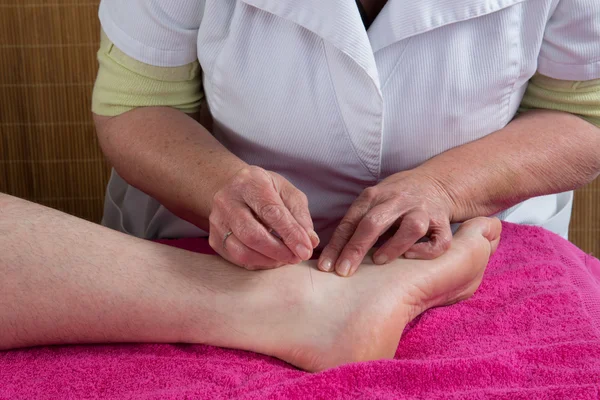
[48, 149]
[585, 223]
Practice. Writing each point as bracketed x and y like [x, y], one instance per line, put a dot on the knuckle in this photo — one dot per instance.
[239, 179]
[370, 193]
[299, 225]
[246, 173]
[331, 251]
[300, 210]
[258, 176]
[417, 226]
[243, 177]
[271, 213]
[375, 222]
[253, 170]
[303, 198]
[291, 235]
[345, 229]
[354, 252]
[213, 219]
[219, 200]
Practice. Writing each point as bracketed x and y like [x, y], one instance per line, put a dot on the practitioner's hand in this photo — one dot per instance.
[416, 204]
[259, 207]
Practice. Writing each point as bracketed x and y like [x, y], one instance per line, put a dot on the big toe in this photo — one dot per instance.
[489, 228]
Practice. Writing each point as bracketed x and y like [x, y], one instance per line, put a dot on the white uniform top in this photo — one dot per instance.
[300, 88]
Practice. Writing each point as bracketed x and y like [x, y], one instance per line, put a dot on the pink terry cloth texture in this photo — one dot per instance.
[531, 331]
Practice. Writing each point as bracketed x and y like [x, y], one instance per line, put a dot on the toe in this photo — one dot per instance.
[474, 229]
[494, 233]
[475, 226]
[490, 228]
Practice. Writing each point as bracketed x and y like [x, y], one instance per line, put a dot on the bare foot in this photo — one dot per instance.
[321, 320]
[114, 288]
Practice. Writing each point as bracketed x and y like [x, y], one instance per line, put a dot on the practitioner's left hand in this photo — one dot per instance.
[414, 202]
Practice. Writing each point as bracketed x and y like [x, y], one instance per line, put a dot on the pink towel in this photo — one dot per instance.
[532, 331]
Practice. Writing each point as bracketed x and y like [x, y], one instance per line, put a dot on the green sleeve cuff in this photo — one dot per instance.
[581, 98]
[124, 83]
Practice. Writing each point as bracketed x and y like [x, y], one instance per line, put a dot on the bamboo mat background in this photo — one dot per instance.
[48, 148]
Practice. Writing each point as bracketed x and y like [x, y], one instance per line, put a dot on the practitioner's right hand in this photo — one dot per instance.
[268, 218]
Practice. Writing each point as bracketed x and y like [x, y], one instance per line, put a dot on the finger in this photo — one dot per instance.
[370, 227]
[238, 253]
[413, 227]
[297, 202]
[342, 234]
[272, 212]
[257, 237]
[250, 232]
[440, 238]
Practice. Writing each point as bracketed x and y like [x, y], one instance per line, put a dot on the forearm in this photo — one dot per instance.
[168, 155]
[540, 152]
[64, 280]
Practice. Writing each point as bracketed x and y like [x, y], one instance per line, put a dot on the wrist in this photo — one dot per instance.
[221, 180]
[442, 189]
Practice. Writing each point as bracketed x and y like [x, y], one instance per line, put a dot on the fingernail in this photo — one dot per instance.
[381, 259]
[303, 252]
[314, 238]
[326, 265]
[344, 268]
[410, 255]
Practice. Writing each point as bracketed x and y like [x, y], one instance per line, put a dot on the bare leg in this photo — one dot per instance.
[64, 280]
